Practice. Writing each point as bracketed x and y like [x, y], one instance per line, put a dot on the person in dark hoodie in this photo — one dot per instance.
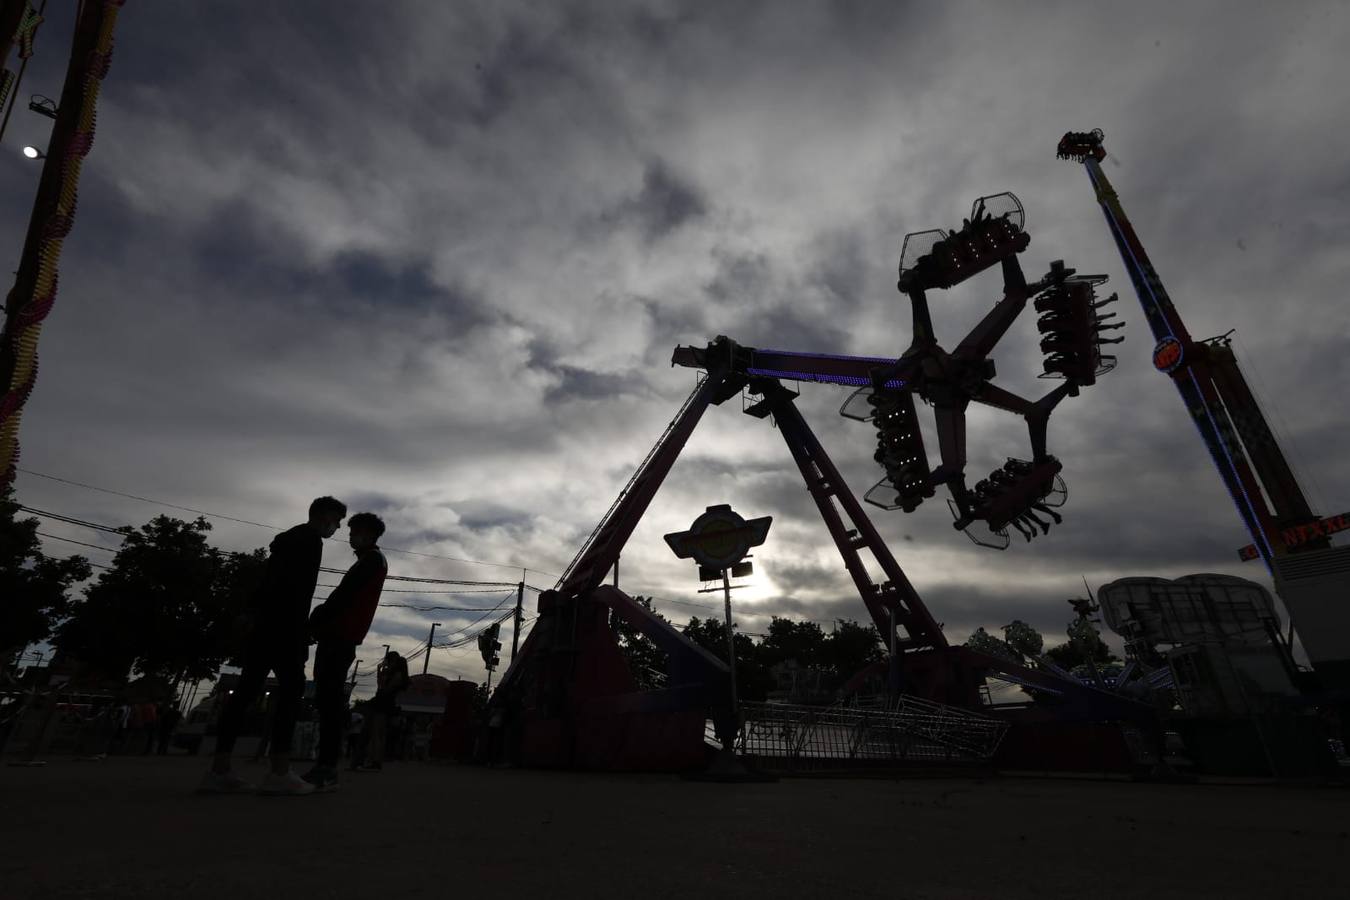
[339, 625]
[277, 641]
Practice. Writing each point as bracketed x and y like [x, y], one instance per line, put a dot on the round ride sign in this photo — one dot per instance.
[1167, 355]
[719, 538]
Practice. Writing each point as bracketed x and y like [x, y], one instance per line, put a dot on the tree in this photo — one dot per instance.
[35, 587]
[239, 578]
[984, 642]
[1020, 642]
[166, 606]
[1081, 644]
[645, 660]
[752, 676]
[793, 640]
[1023, 639]
[850, 648]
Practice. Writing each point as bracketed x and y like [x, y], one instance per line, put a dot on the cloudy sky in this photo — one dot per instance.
[433, 258]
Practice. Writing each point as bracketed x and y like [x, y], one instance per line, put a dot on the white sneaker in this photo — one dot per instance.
[289, 784]
[223, 783]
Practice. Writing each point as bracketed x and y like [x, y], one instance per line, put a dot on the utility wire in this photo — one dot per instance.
[494, 584]
[164, 503]
[464, 641]
[441, 608]
[333, 586]
[202, 512]
[69, 541]
[123, 531]
[685, 603]
[419, 591]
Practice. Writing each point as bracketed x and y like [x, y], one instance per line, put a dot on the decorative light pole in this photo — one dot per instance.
[718, 541]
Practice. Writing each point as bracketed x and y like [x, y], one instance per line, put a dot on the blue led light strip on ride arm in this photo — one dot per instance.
[825, 368]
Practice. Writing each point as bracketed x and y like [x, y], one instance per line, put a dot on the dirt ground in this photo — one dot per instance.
[132, 827]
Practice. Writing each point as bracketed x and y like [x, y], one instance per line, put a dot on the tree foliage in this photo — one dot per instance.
[645, 660]
[1074, 653]
[166, 607]
[984, 642]
[787, 640]
[753, 680]
[837, 656]
[1023, 639]
[35, 587]
[850, 648]
[239, 577]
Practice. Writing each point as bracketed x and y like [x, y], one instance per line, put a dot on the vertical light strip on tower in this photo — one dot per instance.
[34, 291]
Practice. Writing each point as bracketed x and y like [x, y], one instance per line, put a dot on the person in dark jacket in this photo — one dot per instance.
[339, 625]
[277, 641]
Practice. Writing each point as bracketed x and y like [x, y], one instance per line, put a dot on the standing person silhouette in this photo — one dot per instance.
[278, 641]
[340, 624]
[391, 678]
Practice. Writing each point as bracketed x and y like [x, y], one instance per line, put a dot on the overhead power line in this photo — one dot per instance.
[56, 537]
[419, 591]
[494, 586]
[102, 490]
[441, 608]
[685, 603]
[73, 521]
[214, 515]
[333, 586]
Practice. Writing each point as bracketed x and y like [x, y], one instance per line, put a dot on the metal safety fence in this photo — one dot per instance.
[865, 734]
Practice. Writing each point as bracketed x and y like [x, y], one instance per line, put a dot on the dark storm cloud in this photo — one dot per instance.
[740, 277]
[488, 518]
[584, 384]
[762, 307]
[841, 270]
[685, 325]
[665, 203]
[808, 580]
[236, 247]
[578, 383]
[524, 60]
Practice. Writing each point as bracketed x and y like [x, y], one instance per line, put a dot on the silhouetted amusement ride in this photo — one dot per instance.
[568, 699]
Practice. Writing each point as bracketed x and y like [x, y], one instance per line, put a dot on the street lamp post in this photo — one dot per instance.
[731, 643]
[718, 541]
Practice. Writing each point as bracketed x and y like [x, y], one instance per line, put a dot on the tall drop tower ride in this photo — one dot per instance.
[1311, 576]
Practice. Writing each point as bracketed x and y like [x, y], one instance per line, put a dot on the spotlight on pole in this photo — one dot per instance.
[34, 153]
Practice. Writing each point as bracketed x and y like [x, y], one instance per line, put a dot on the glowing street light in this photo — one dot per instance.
[34, 153]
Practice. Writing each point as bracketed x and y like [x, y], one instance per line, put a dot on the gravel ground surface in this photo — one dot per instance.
[132, 827]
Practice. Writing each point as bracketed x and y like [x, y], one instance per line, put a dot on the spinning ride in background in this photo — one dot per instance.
[1022, 493]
